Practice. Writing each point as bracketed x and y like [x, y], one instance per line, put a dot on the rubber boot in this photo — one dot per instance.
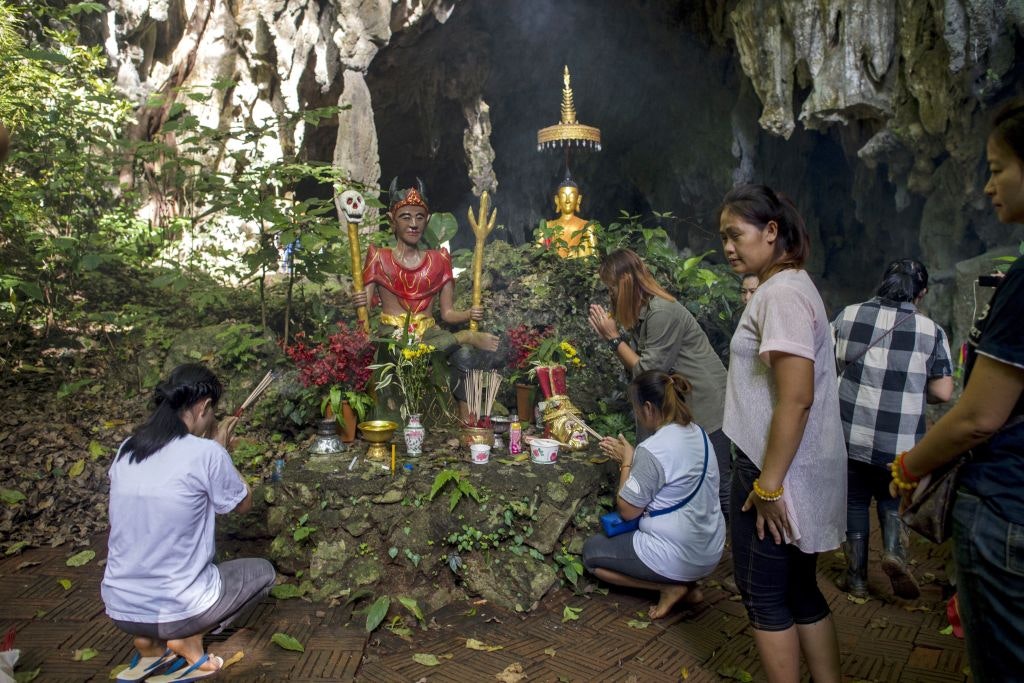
[855, 580]
[894, 557]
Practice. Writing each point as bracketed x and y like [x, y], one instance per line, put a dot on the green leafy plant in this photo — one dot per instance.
[460, 487]
[359, 401]
[571, 566]
[301, 532]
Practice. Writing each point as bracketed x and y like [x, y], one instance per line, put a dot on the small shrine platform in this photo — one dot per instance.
[438, 529]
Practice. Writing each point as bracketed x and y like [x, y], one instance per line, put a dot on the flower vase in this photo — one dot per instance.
[552, 380]
[348, 432]
[524, 401]
[414, 433]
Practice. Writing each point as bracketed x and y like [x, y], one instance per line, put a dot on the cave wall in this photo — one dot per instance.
[871, 115]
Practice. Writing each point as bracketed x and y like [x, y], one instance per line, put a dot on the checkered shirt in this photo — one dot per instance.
[883, 394]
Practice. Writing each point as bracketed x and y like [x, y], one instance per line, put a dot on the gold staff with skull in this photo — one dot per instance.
[352, 206]
[482, 226]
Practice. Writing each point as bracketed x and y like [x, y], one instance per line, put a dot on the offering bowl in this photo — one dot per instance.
[500, 424]
[377, 433]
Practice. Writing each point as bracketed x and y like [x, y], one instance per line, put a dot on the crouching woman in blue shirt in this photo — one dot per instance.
[167, 483]
[676, 464]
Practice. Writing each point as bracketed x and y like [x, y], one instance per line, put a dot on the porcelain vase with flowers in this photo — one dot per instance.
[411, 370]
[414, 434]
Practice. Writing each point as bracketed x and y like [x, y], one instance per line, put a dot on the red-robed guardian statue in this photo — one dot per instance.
[405, 280]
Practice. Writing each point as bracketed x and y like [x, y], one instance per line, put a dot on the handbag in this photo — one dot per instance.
[930, 512]
[613, 524]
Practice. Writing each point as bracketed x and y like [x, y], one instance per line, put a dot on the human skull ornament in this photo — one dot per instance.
[353, 204]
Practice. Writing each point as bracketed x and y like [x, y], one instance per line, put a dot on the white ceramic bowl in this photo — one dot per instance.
[480, 453]
[544, 451]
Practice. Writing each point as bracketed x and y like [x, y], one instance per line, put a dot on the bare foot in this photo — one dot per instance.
[191, 649]
[485, 341]
[149, 647]
[669, 596]
[694, 597]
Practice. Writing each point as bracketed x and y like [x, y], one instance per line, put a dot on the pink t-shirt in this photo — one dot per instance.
[786, 314]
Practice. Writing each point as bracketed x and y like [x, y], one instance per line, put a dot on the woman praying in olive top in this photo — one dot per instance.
[663, 336]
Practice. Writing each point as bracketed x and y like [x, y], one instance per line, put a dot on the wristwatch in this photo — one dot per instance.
[614, 343]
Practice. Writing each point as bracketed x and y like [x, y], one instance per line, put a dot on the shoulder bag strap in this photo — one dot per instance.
[879, 338]
[684, 501]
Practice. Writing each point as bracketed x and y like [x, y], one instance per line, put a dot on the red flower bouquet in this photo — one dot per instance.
[523, 341]
[344, 358]
[342, 362]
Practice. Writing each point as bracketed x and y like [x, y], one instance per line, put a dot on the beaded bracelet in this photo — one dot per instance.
[897, 479]
[767, 496]
[907, 476]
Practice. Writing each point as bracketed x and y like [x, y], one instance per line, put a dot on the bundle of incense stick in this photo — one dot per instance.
[579, 420]
[481, 390]
[260, 388]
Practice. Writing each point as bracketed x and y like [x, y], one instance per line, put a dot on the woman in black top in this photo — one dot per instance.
[988, 514]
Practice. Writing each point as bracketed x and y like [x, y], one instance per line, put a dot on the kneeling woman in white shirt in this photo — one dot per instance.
[167, 483]
[669, 552]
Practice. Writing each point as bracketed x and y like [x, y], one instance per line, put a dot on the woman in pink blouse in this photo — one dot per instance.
[782, 415]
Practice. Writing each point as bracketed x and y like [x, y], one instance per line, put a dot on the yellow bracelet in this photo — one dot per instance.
[897, 477]
[623, 467]
[767, 496]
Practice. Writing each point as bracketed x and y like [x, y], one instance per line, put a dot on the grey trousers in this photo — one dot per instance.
[245, 582]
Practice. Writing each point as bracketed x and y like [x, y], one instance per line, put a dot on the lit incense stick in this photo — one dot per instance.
[267, 380]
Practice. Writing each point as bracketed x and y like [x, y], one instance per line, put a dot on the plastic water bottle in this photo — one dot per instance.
[515, 436]
[278, 473]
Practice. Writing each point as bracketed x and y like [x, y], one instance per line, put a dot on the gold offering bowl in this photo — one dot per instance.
[471, 435]
[378, 433]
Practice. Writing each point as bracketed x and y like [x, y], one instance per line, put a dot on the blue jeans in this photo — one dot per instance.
[864, 482]
[989, 554]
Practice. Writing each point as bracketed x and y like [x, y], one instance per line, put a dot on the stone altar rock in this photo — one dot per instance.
[365, 530]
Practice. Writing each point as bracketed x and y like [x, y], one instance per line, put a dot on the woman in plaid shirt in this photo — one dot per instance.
[894, 361]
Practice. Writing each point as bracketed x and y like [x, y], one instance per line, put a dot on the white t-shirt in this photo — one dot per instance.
[160, 553]
[786, 314]
[684, 545]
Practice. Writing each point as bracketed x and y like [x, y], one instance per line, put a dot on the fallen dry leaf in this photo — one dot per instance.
[513, 673]
[233, 659]
[474, 644]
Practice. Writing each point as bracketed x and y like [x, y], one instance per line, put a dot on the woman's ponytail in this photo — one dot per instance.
[667, 392]
[187, 385]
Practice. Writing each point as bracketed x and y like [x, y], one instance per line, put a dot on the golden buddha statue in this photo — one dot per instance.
[573, 237]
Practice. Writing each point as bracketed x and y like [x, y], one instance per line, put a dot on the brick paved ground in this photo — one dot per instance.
[881, 640]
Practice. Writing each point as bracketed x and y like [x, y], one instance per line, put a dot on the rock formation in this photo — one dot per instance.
[870, 114]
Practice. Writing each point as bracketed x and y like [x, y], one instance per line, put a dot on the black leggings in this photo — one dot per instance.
[778, 582]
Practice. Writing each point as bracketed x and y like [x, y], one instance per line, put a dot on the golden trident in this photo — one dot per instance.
[482, 227]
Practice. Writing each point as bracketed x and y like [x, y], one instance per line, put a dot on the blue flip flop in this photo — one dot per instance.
[192, 673]
[140, 668]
